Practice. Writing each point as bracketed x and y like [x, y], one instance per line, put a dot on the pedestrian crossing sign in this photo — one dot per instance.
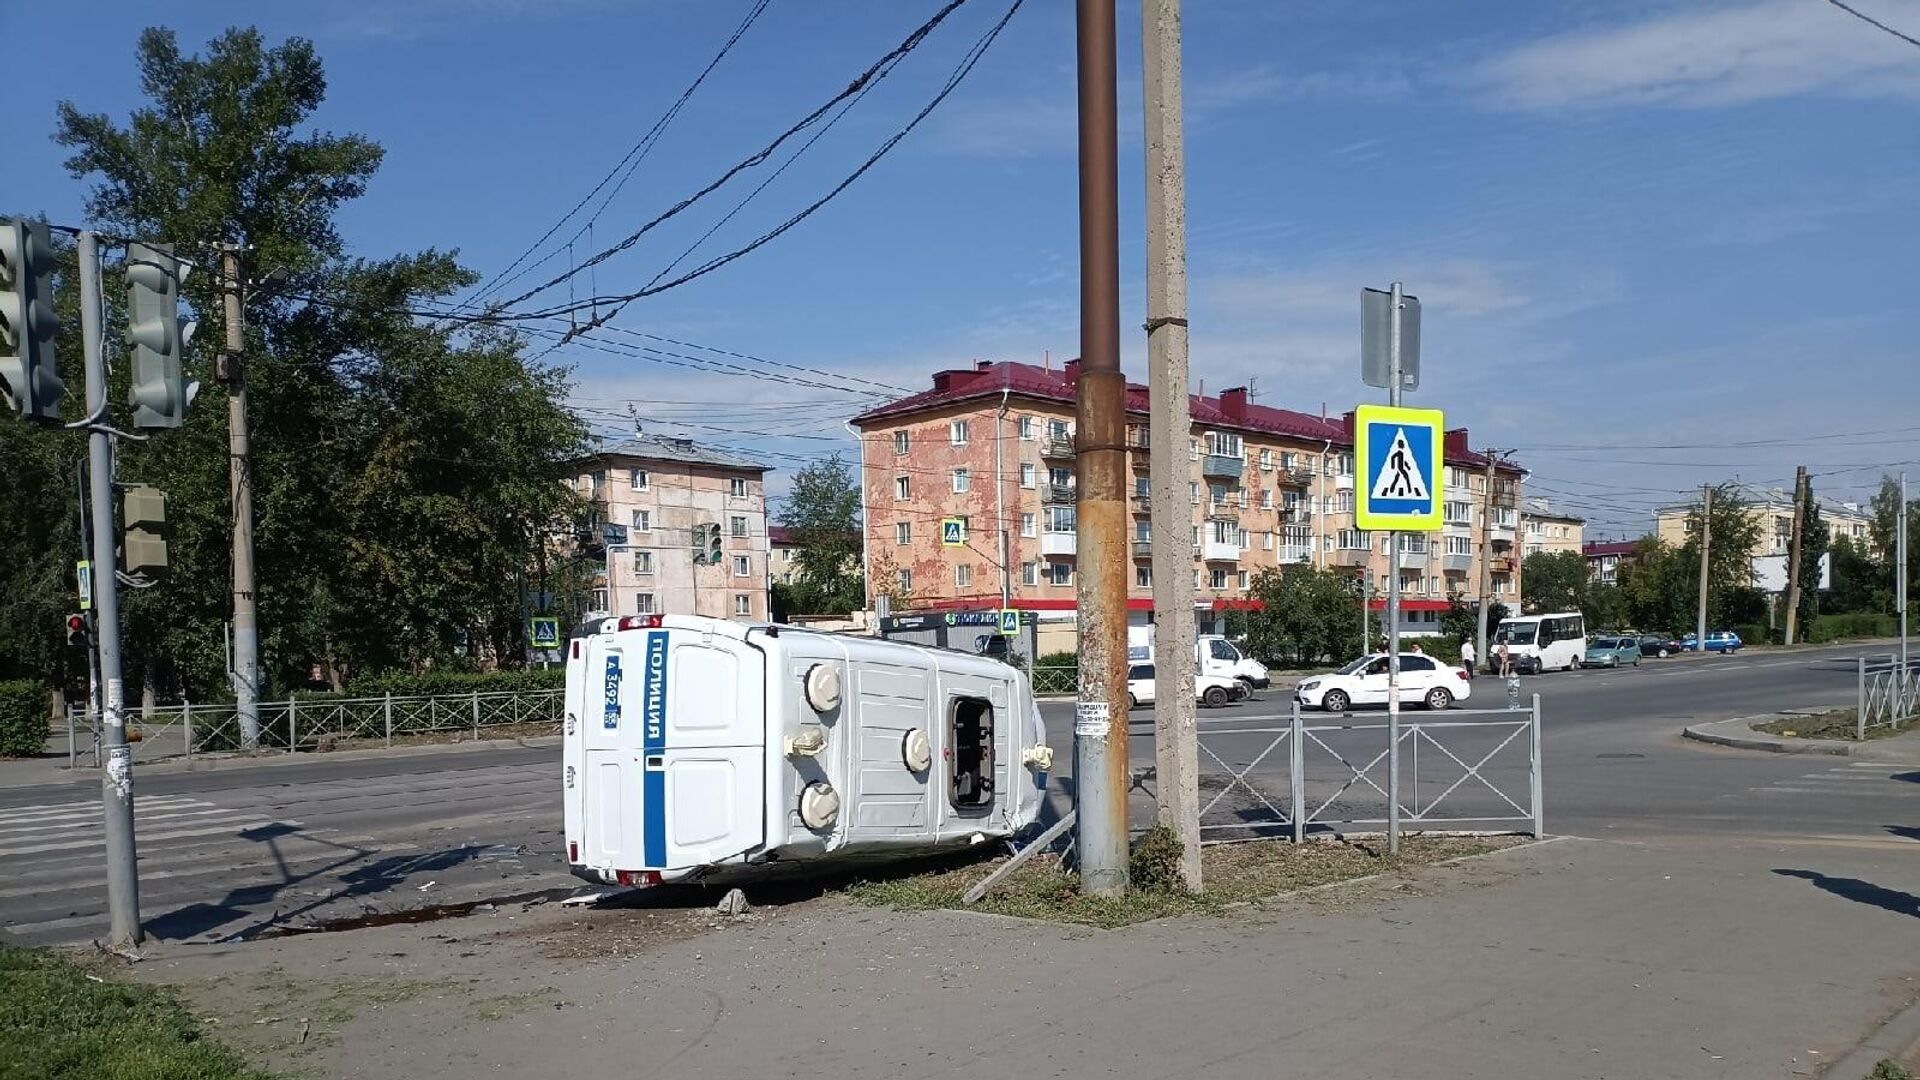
[953, 531]
[1398, 454]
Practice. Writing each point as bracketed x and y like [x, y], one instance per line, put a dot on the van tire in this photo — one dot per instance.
[1215, 697]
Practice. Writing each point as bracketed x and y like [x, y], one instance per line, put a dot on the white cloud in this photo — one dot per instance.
[1458, 286]
[1725, 55]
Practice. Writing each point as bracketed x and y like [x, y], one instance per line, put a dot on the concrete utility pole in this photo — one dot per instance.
[246, 629]
[1395, 390]
[1176, 751]
[1706, 542]
[1900, 578]
[1793, 551]
[116, 780]
[1100, 715]
[1480, 654]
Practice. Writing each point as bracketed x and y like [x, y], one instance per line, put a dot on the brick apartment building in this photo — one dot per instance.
[993, 445]
[657, 490]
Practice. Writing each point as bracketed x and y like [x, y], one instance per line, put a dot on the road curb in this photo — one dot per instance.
[1898, 1038]
[1718, 734]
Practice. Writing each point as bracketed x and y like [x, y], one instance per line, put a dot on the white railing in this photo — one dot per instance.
[1887, 693]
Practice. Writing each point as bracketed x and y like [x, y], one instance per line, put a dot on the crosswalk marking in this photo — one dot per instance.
[166, 817]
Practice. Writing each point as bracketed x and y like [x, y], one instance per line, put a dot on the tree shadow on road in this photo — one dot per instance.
[1860, 892]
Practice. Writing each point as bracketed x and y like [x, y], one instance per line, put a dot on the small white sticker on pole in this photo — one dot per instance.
[1091, 718]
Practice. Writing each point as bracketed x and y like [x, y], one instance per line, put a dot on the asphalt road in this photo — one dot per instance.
[236, 851]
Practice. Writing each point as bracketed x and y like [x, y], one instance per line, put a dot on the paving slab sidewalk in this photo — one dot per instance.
[1576, 959]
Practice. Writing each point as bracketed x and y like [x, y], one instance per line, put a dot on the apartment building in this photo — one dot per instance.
[1605, 557]
[650, 495]
[1545, 530]
[781, 547]
[1775, 513]
[992, 446]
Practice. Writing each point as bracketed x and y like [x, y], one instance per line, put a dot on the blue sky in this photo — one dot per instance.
[1634, 225]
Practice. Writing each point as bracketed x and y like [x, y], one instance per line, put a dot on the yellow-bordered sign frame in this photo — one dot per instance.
[1426, 437]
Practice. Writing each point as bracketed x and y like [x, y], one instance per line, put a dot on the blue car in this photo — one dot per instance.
[1720, 641]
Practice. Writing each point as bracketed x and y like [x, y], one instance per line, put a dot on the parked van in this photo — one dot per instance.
[1212, 655]
[701, 749]
[1540, 643]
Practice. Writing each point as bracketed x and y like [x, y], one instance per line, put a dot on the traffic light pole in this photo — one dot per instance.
[116, 780]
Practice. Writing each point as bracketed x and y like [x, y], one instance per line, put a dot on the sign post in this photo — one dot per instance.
[1398, 454]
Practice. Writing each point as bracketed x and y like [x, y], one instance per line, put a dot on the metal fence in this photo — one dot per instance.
[1456, 769]
[1888, 693]
[1055, 679]
[308, 723]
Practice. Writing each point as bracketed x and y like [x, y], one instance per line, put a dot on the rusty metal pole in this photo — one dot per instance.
[1100, 714]
[1175, 747]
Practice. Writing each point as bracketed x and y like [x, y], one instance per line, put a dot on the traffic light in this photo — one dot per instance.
[160, 391]
[144, 548]
[76, 630]
[713, 545]
[29, 375]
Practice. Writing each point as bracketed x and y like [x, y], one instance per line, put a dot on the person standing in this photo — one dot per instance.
[1466, 656]
[1503, 658]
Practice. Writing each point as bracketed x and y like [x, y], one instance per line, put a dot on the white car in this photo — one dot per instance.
[1210, 690]
[1364, 682]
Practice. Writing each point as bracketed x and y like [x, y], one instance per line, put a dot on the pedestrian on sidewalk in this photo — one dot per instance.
[1466, 655]
[1503, 659]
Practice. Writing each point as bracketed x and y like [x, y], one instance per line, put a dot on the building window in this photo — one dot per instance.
[643, 604]
[1057, 429]
[737, 525]
[742, 604]
[643, 562]
[1029, 573]
[1026, 474]
[962, 481]
[600, 599]
[1060, 519]
[1244, 577]
[638, 479]
[1059, 573]
[901, 441]
[1193, 449]
[1142, 488]
[1224, 444]
[1266, 499]
[1217, 579]
[737, 487]
[1266, 460]
[1266, 541]
[1193, 491]
[957, 432]
[786, 555]
[1143, 576]
[1027, 429]
[643, 521]
[1028, 526]
[963, 576]
[906, 579]
[902, 488]
[903, 532]
[1289, 459]
[741, 567]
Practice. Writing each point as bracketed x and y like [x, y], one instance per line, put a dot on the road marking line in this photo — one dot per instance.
[230, 829]
[23, 813]
[209, 861]
[93, 821]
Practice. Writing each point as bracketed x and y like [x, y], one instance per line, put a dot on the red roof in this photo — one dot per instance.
[780, 536]
[1594, 548]
[1230, 409]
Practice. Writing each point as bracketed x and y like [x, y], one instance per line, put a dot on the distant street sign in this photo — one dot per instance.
[953, 532]
[543, 632]
[1375, 309]
[83, 577]
[1398, 454]
[1010, 621]
[613, 535]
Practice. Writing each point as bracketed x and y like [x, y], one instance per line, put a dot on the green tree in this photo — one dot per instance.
[1655, 584]
[1307, 616]
[1886, 511]
[1814, 542]
[1861, 582]
[823, 513]
[406, 477]
[1553, 581]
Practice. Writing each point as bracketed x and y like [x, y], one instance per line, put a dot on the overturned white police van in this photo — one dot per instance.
[699, 749]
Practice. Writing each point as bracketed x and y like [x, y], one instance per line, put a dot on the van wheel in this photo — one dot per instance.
[1335, 701]
[1439, 699]
[1132, 702]
[1216, 696]
[1242, 689]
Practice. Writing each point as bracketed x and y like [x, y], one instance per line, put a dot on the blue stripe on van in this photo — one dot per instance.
[653, 745]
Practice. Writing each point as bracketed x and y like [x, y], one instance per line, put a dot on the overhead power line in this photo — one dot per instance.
[1871, 21]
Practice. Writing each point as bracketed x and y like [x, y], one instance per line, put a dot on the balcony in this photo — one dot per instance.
[1343, 482]
[1215, 551]
[1142, 504]
[1143, 549]
[1413, 560]
[1350, 557]
[1138, 437]
[1501, 534]
[1222, 465]
[1295, 515]
[1056, 446]
[1059, 543]
[1457, 564]
[1223, 511]
[1290, 555]
[1500, 564]
[1142, 460]
[1296, 476]
[1059, 493]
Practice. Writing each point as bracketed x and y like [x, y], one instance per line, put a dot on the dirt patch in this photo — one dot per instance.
[1832, 724]
[1235, 875]
[617, 933]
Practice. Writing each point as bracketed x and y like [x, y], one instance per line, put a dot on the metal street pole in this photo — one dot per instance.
[116, 780]
[246, 630]
[1100, 715]
[1394, 391]
[1176, 750]
[1706, 540]
[1793, 553]
[1480, 654]
[1900, 579]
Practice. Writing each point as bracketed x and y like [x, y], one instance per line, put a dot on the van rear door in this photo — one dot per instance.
[675, 750]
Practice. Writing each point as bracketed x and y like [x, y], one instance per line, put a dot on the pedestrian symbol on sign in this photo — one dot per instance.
[1400, 479]
[953, 532]
[543, 632]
